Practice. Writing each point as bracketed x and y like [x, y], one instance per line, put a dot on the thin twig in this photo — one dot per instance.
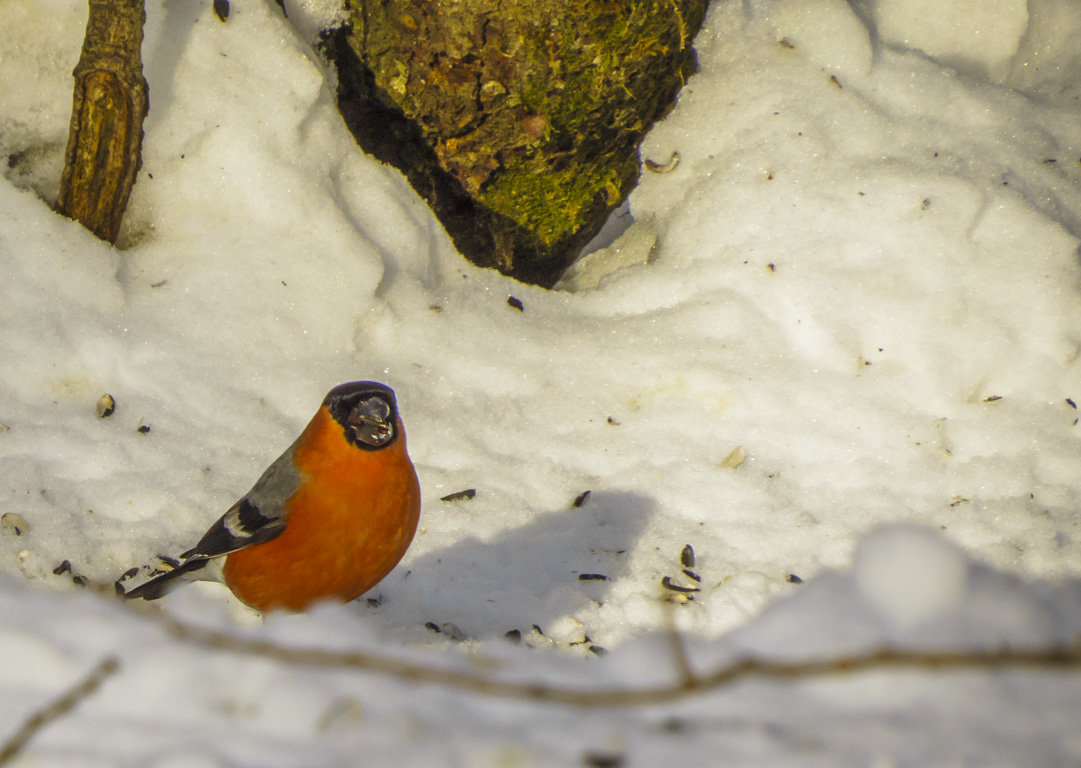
[58, 708]
[1055, 657]
[678, 647]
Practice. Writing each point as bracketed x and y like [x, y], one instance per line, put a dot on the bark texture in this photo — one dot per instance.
[518, 121]
[110, 102]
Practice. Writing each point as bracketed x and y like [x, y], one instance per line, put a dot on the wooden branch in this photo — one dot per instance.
[57, 708]
[1054, 657]
[106, 134]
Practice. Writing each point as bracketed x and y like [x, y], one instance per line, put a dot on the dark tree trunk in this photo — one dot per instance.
[519, 121]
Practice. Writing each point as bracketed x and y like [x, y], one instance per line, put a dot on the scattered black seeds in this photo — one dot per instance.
[598, 650]
[374, 602]
[537, 629]
[64, 567]
[992, 398]
[835, 81]
[221, 9]
[580, 499]
[691, 575]
[793, 579]
[675, 725]
[772, 267]
[607, 551]
[603, 759]
[12, 521]
[144, 429]
[431, 626]
[667, 583]
[106, 406]
[686, 557]
[514, 636]
[613, 422]
[160, 283]
[515, 302]
[468, 493]
[77, 580]
[1071, 403]
[451, 630]
[592, 577]
[653, 165]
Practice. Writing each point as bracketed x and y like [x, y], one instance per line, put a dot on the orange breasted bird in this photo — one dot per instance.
[326, 521]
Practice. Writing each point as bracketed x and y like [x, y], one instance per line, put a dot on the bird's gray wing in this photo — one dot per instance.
[257, 517]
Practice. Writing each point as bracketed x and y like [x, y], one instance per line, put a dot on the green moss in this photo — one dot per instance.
[551, 204]
[533, 110]
[554, 203]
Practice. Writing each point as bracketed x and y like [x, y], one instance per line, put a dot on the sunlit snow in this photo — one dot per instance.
[835, 347]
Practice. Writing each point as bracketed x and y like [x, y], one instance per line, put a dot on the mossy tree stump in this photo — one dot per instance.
[519, 122]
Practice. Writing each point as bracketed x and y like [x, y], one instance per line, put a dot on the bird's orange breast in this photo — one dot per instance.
[350, 522]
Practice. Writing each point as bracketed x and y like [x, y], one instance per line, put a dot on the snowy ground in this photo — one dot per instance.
[845, 344]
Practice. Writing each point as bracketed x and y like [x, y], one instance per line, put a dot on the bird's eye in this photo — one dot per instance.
[371, 422]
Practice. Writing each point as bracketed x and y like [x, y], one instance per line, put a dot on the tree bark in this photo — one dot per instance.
[518, 121]
[110, 102]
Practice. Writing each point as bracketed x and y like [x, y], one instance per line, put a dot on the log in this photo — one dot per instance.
[518, 122]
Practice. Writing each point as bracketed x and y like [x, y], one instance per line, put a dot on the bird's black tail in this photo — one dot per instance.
[161, 581]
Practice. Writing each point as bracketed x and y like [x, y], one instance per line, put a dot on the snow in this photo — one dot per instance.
[860, 276]
[958, 34]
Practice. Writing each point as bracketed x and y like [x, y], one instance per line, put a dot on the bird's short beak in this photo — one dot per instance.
[370, 423]
[377, 423]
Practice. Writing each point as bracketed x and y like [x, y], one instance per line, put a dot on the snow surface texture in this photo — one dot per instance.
[840, 340]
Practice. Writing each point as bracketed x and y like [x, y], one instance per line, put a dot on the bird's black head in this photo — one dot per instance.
[367, 412]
